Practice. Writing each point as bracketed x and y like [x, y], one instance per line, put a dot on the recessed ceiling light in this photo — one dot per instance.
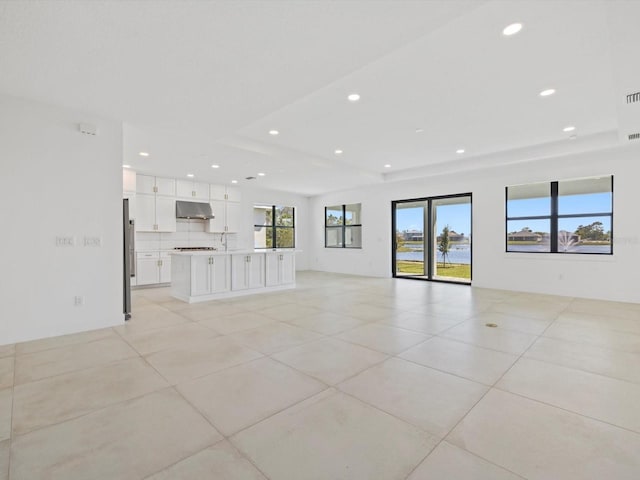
[126, 166]
[338, 152]
[354, 97]
[261, 174]
[143, 154]
[234, 181]
[387, 166]
[570, 128]
[460, 150]
[273, 132]
[215, 166]
[419, 130]
[512, 29]
[190, 175]
[547, 92]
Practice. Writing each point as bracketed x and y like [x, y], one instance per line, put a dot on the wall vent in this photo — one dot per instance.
[633, 97]
[634, 136]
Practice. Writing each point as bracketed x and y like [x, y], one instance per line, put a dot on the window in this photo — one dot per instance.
[274, 226]
[568, 216]
[342, 226]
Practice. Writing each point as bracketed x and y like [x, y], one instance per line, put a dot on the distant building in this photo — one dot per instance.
[524, 235]
[413, 235]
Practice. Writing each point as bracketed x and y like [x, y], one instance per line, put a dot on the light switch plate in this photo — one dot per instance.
[65, 241]
[92, 242]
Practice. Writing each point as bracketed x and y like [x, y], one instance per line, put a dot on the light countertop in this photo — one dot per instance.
[231, 252]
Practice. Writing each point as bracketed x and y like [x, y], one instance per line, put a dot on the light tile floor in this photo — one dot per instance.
[344, 377]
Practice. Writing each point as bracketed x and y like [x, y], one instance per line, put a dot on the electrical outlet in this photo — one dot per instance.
[65, 241]
[92, 242]
[78, 301]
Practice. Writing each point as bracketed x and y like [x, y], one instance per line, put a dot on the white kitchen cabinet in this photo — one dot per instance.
[233, 194]
[203, 276]
[247, 271]
[153, 268]
[189, 190]
[222, 192]
[233, 212]
[145, 213]
[209, 274]
[147, 272]
[280, 268]
[227, 217]
[155, 185]
[145, 184]
[217, 192]
[164, 268]
[165, 214]
[218, 223]
[155, 213]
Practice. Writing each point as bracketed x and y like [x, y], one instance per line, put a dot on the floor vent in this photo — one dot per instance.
[634, 136]
[633, 97]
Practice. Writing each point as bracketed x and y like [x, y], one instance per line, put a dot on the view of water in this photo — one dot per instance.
[574, 249]
[458, 254]
[462, 253]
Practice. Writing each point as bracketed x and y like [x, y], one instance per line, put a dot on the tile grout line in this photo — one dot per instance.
[491, 387]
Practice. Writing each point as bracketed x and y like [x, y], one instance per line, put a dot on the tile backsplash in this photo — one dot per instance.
[190, 233]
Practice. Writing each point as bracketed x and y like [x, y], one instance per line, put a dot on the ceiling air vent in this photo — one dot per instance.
[250, 178]
[633, 97]
[634, 136]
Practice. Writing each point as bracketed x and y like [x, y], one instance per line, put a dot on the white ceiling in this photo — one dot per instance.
[202, 82]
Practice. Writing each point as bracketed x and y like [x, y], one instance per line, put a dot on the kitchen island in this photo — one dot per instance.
[199, 276]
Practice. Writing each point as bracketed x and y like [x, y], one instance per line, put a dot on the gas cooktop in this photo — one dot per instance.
[188, 249]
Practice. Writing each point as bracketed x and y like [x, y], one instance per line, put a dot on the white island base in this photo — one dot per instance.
[200, 276]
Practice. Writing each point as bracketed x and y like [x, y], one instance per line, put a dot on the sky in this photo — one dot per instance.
[458, 216]
[567, 204]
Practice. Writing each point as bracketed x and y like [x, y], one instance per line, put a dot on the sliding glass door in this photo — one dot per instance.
[409, 245]
[432, 238]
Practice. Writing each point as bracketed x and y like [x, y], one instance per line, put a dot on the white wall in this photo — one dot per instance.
[258, 196]
[608, 277]
[56, 181]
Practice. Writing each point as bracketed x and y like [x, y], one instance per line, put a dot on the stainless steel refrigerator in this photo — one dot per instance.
[128, 229]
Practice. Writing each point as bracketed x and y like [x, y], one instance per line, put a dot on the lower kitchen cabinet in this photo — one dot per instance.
[247, 271]
[153, 268]
[280, 268]
[209, 274]
[199, 276]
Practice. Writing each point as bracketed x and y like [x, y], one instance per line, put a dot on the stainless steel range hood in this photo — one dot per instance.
[197, 210]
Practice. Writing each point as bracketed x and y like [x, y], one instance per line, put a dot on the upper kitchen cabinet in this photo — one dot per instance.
[226, 217]
[233, 194]
[217, 192]
[155, 213]
[222, 192]
[188, 190]
[155, 204]
[225, 203]
[155, 185]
